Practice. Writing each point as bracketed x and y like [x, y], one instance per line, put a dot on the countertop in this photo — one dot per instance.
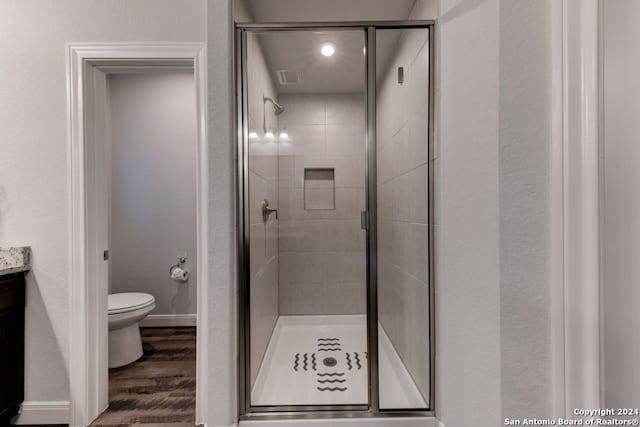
[15, 259]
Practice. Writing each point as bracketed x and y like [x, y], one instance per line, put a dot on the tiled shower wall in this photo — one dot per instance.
[322, 252]
[263, 184]
[402, 150]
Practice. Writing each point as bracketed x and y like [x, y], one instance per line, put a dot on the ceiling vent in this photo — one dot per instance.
[286, 77]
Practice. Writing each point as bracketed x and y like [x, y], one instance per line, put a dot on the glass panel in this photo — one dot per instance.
[402, 125]
[307, 151]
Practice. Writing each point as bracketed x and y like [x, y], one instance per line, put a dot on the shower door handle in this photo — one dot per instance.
[364, 220]
[266, 211]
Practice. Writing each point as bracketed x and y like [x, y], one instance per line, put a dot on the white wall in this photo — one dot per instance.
[153, 186]
[330, 10]
[220, 381]
[33, 165]
[403, 200]
[492, 211]
[467, 216]
[621, 204]
[524, 150]
[34, 192]
[322, 252]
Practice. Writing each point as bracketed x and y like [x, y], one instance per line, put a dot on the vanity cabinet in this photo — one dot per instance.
[12, 302]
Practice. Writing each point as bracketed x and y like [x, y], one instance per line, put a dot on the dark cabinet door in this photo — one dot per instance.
[11, 345]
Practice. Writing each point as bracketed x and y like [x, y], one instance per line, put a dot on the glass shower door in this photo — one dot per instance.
[306, 183]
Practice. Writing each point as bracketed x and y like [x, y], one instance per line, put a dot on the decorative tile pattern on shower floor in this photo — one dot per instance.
[314, 360]
[309, 363]
[323, 360]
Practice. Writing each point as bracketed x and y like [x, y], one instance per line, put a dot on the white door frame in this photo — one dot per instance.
[581, 165]
[88, 380]
[575, 207]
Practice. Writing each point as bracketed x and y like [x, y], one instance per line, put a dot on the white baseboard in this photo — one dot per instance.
[169, 320]
[45, 412]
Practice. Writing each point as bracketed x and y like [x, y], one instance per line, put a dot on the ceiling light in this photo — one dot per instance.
[284, 135]
[253, 135]
[269, 134]
[328, 49]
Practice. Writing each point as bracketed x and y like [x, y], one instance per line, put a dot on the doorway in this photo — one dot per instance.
[335, 210]
[151, 187]
[92, 70]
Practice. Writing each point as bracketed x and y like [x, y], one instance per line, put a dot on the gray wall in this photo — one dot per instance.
[33, 166]
[403, 192]
[322, 252]
[263, 184]
[153, 186]
[621, 204]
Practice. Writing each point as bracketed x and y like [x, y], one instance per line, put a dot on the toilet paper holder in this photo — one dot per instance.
[178, 265]
[185, 274]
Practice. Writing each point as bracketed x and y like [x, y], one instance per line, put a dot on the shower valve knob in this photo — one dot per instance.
[266, 211]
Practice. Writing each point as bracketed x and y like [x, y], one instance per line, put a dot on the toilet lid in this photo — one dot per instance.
[128, 301]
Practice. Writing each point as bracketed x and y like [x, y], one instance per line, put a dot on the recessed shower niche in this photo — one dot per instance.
[336, 301]
[319, 189]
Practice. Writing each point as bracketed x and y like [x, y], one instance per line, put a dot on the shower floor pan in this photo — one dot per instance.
[323, 360]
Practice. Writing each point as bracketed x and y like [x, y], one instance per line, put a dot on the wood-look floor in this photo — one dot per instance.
[160, 388]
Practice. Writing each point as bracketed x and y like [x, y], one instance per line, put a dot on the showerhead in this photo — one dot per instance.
[277, 108]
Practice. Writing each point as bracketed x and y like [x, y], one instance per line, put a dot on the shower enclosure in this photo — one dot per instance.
[335, 219]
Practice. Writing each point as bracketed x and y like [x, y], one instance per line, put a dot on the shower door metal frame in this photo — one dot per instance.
[372, 409]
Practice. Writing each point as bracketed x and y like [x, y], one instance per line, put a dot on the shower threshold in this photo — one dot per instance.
[323, 360]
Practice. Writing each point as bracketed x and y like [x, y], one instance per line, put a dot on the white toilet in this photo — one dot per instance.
[126, 310]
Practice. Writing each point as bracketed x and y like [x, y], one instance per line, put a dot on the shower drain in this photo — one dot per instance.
[329, 361]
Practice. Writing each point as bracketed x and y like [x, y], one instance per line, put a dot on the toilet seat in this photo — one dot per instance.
[128, 301]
